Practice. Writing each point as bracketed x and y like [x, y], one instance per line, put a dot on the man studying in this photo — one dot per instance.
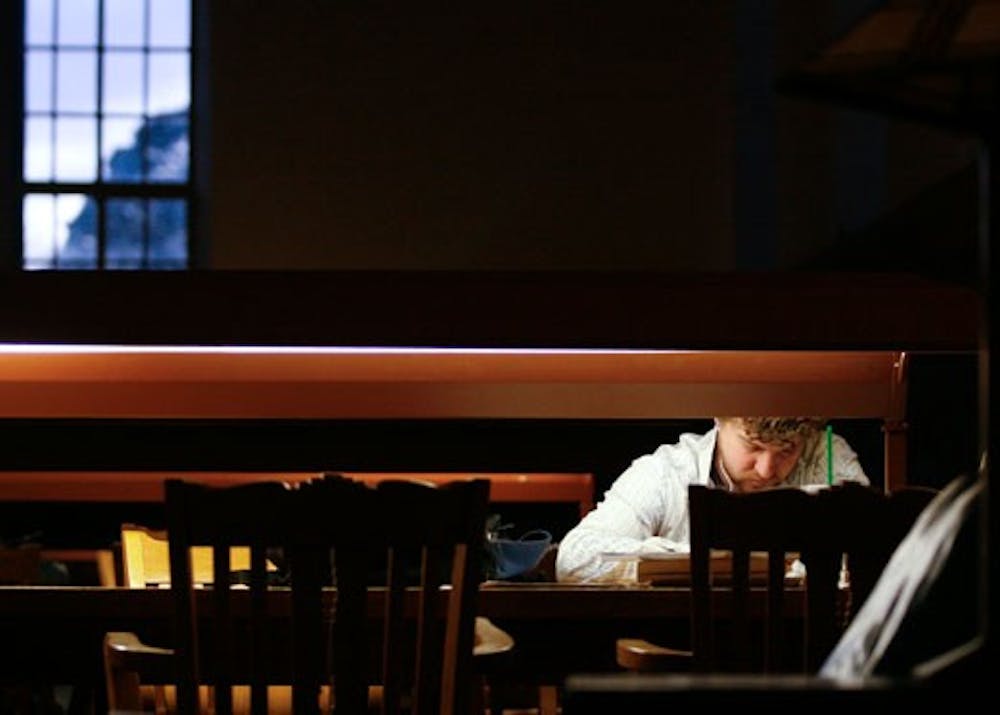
[646, 509]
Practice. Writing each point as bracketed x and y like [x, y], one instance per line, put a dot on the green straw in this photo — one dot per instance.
[829, 455]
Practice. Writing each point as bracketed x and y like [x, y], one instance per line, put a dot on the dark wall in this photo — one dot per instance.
[518, 134]
[632, 134]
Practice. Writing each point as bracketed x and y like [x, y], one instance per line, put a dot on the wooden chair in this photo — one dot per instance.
[576, 488]
[145, 563]
[820, 527]
[329, 529]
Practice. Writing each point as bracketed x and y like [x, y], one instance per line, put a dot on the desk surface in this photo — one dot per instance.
[558, 629]
[528, 602]
[522, 602]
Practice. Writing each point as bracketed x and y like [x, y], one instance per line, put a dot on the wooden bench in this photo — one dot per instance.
[130, 486]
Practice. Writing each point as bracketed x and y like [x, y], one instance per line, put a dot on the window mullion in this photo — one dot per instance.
[144, 144]
[100, 203]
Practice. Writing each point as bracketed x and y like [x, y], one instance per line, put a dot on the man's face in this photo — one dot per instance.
[752, 464]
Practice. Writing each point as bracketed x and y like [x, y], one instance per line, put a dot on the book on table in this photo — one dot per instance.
[674, 568]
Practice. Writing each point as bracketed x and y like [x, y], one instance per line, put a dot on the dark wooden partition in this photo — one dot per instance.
[439, 372]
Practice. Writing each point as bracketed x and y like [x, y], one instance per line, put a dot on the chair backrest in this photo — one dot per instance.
[332, 529]
[922, 620]
[820, 528]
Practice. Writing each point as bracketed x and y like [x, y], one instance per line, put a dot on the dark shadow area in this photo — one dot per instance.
[942, 413]
[934, 234]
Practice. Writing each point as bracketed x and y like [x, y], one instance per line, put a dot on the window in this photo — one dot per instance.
[105, 172]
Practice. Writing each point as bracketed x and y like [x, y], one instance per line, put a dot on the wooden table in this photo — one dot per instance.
[54, 633]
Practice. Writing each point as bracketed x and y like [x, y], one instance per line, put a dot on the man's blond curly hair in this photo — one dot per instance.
[783, 431]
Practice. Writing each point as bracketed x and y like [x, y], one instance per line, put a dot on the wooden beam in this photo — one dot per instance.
[94, 382]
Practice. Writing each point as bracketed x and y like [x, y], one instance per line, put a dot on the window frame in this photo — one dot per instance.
[13, 48]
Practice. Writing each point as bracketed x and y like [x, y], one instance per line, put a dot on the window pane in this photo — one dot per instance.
[126, 232]
[38, 149]
[170, 23]
[76, 149]
[38, 81]
[120, 158]
[167, 148]
[146, 234]
[123, 82]
[168, 234]
[77, 23]
[76, 81]
[39, 231]
[77, 222]
[38, 21]
[123, 22]
[49, 221]
[169, 82]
